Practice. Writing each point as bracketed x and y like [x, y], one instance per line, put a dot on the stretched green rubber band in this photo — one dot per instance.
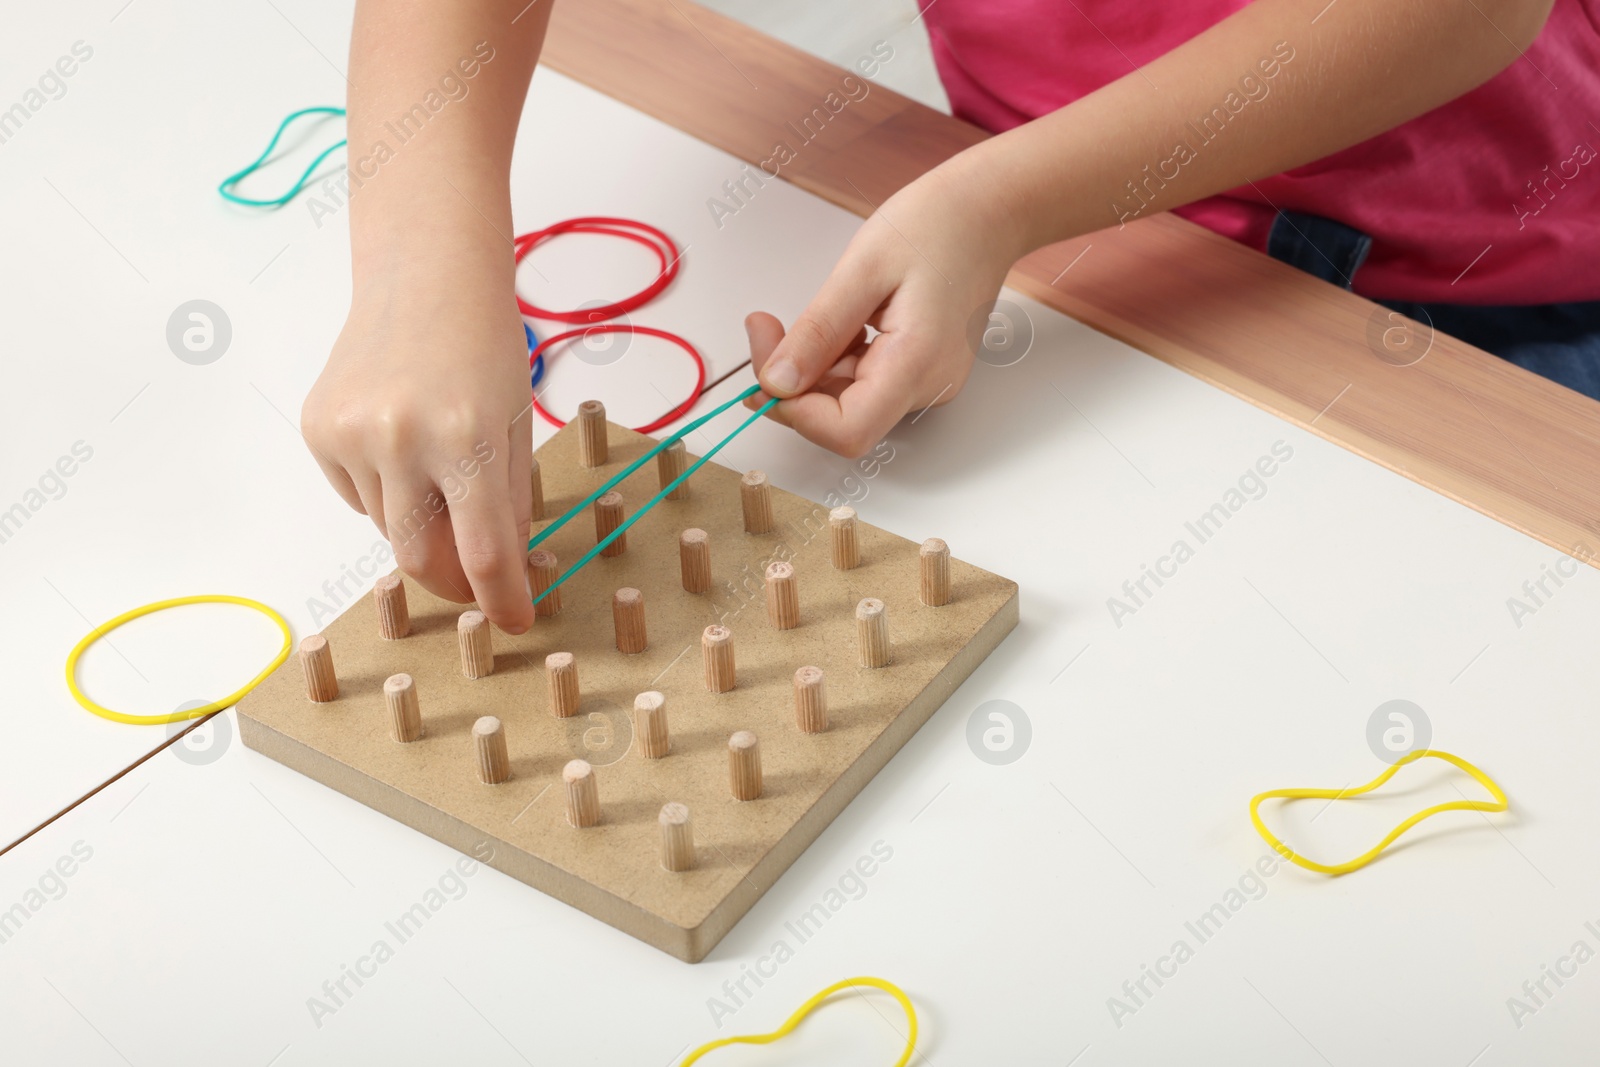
[226, 188]
[653, 501]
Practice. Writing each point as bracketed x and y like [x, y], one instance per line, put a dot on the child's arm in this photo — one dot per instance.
[420, 418]
[938, 251]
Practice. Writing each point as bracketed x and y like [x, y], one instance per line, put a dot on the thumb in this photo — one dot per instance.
[825, 331]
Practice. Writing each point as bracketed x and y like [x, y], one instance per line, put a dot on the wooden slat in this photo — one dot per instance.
[1514, 446]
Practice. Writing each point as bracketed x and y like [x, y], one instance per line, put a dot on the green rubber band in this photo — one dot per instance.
[659, 497]
[534, 541]
[225, 189]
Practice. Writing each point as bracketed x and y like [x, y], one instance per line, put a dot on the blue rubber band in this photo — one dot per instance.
[538, 364]
[653, 501]
[233, 179]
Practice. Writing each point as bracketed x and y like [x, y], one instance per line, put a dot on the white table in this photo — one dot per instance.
[220, 890]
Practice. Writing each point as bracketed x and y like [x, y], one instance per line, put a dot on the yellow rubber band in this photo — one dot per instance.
[161, 605]
[808, 1007]
[1500, 803]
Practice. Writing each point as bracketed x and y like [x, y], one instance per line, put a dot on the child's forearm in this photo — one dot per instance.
[1366, 66]
[436, 91]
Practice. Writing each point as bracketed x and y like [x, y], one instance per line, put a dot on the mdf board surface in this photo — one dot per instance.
[612, 870]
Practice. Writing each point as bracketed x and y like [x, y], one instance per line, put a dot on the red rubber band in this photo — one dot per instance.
[618, 327]
[642, 233]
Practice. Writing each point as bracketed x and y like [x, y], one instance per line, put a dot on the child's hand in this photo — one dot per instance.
[420, 419]
[923, 270]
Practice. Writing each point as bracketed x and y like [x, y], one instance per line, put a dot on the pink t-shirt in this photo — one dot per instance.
[1493, 198]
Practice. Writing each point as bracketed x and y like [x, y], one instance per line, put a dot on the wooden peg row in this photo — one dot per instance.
[872, 633]
[316, 660]
[694, 558]
[783, 596]
[536, 479]
[716, 650]
[842, 531]
[583, 793]
[744, 766]
[561, 670]
[756, 495]
[671, 462]
[405, 715]
[593, 448]
[489, 738]
[477, 648]
[609, 513]
[650, 725]
[394, 619]
[627, 613]
[677, 837]
[542, 574]
[810, 700]
[934, 586]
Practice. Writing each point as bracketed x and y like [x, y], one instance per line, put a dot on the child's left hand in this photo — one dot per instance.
[924, 271]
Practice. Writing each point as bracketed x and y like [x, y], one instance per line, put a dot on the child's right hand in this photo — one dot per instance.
[421, 420]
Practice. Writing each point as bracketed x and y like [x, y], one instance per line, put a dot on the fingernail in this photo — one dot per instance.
[782, 377]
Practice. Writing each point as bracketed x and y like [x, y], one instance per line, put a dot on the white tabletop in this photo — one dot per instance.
[213, 892]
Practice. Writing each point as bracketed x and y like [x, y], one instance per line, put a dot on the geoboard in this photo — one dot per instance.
[638, 772]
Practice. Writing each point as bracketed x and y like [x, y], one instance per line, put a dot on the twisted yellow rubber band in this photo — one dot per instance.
[1500, 803]
[808, 1007]
[161, 605]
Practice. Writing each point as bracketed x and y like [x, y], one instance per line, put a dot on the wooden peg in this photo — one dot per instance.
[694, 557]
[537, 481]
[489, 737]
[783, 596]
[627, 612]
[394, 620]
[561, 669]
[405, 716]
[609, 513]
[810, 700]
[872, 633]
[716, 650]
[542, 574]
[670, 463]
[583, 793]
[744, 765]
[477, 651]
[592, 446]
[316, 659]
[934, 587]
[677, 837]
[756, 495]
[650, 725]
[842, 528]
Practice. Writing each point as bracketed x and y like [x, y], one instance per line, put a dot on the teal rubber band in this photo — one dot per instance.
[665, 490]
[226, 190]
[534, 541]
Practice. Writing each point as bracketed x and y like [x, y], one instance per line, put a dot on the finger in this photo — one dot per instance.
[521, 474]
[486, 531]
[369, 490]
[851, 419]
[423, 540]
[340, 479]
[828, 328]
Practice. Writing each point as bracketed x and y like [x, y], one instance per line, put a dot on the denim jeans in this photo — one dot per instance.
[1558, 341]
